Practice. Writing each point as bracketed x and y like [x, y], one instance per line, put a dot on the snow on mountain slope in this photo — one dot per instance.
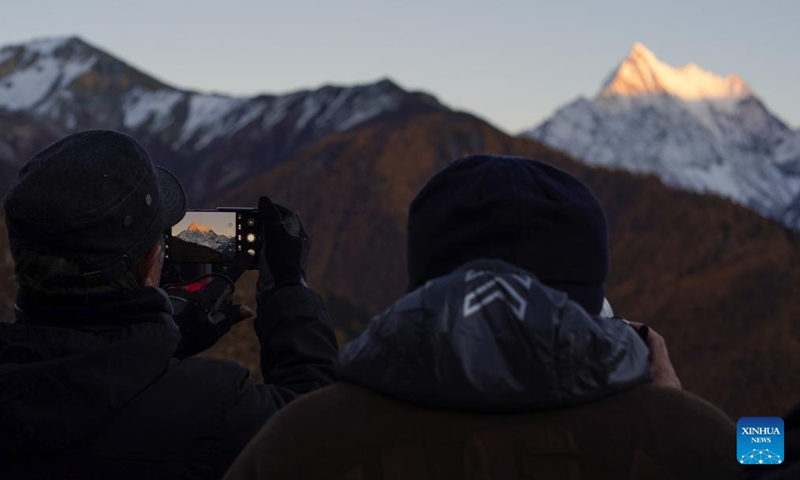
[45, 76]
[693, 129]
[323, 111]
[37, 72]
[211, 141]
[208, 112]
[67, 81]
[141, 106]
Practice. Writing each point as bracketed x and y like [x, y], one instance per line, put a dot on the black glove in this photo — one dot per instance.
[202, 309]
[284, 254]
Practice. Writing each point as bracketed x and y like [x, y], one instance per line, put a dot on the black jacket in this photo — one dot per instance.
[94, 391]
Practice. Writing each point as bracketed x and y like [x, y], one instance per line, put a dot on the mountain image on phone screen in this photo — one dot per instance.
[204, 237]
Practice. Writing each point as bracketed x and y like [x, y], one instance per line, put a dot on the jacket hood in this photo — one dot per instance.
[62, 379]
[490, 337]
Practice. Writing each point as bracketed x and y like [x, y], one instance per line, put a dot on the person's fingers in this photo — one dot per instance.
[658, 354]
[642, 329]
[291, 222]
[663, 371]
[268, 212]
[230, 316]
[246, 312]
[658, 347]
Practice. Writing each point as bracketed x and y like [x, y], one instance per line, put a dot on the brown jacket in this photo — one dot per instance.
[347, 432]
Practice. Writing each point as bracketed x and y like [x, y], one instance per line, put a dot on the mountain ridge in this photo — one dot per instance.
[201, 137]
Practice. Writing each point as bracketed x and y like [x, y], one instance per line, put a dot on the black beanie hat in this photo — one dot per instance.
[525, 212]
[95, 198]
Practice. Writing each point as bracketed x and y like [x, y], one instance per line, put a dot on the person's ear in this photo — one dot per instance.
[148, 271]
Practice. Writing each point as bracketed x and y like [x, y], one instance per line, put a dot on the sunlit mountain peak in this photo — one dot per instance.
[642, 73]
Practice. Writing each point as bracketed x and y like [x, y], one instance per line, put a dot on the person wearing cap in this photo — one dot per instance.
[98, 377]
[504, 359]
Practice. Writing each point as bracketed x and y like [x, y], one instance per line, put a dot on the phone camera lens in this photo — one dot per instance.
[251, 222]
[251, 237]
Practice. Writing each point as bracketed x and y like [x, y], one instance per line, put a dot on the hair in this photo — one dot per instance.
[34, 270]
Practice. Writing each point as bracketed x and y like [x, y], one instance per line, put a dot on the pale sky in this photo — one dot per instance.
[510, 62]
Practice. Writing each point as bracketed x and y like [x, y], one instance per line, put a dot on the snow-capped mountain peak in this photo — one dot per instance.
[196, 227]
[37, 68]
[63, 78]
[48, 45]
[642, 73]
[692, 128]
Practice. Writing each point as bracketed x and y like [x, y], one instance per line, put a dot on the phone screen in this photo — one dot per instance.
[204, 237]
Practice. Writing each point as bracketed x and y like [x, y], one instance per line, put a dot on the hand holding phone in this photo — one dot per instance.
[284, 257]
[663, 371]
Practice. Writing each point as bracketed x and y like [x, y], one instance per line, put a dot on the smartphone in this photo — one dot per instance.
[215, 236]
